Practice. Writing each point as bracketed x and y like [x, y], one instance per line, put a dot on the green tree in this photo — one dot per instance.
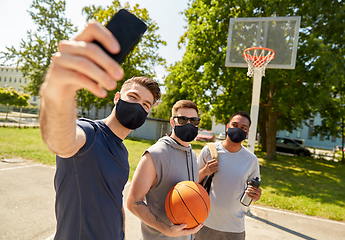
[10, 97]
[332, 108]
[206, 121]
[85, 101]
[143, 58]
[329, 64]
[287, 96]
[33, 55]
[174, 93]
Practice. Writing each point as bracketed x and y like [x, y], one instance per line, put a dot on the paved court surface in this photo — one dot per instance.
[27, 201]
[27, 211]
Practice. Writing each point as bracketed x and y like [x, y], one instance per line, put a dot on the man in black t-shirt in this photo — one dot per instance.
[92, 162]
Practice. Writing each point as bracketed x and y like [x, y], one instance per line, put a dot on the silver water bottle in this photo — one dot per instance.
[245, 199]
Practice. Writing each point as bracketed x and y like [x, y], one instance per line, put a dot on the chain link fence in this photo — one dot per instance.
[18, 116]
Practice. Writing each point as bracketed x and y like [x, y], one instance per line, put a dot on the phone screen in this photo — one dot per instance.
[127, 29]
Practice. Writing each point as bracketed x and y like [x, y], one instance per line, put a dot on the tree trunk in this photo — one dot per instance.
[271, 135]
[96, 113]
[343, 140]
[105, 110]
[262, 129]
[8, 109]
[272, 127]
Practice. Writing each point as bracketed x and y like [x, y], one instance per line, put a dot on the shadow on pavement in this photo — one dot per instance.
[280, 227]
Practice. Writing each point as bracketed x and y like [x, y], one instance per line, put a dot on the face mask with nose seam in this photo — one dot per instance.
[236, 135]
[130, 115]
[186, 132]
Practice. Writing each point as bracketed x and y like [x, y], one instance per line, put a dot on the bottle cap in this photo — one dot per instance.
[255, 182]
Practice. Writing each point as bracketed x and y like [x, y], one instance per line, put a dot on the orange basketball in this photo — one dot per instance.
[187, 202]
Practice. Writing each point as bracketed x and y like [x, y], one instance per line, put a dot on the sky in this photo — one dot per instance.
[15, 21]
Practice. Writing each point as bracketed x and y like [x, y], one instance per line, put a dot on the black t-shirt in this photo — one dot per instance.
[89, 186]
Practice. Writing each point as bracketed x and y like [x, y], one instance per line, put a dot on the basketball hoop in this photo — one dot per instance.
[257, 58]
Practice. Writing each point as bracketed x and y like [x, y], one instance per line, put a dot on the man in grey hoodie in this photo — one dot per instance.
[167, 162]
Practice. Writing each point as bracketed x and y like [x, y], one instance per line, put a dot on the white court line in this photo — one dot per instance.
[298, 215]
[26, 166]
[4, 169]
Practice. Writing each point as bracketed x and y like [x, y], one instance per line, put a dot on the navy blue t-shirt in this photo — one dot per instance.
[89, 186]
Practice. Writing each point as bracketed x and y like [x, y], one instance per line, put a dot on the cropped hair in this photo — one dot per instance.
[184, 104]
[148, 83]
[243, 114]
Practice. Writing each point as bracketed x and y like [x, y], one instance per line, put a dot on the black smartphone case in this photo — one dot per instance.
[128, 29]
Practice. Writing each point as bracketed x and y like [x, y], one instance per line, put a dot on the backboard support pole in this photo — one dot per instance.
[254, 111]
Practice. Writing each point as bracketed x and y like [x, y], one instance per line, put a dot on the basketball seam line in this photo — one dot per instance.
[170, 208]
[186, 204]
[199, 195]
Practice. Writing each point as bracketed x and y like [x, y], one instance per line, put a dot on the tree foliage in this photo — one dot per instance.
[10, 97]
[287, 96]
[206, 121]
[142, 59]
[33, 55]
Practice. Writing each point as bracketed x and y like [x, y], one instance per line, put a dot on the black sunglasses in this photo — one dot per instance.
[184, 120]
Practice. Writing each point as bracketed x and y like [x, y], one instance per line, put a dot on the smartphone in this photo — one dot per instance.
[127, 29]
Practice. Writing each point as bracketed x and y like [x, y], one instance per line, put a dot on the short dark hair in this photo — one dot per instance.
[148, 83]
[184, 104]
[243, 114]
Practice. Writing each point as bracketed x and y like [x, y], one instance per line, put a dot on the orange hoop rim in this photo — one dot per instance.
[258, 58]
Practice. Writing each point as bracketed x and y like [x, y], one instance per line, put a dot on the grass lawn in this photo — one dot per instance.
[302, 184]
[24, 143]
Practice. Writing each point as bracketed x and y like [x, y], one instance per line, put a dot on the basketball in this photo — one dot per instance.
[187, 202]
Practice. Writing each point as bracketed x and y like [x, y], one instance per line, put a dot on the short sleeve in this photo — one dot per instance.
[204, 157]
[255, 172]
[90, 132]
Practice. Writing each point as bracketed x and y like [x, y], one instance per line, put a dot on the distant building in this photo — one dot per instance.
[217, 127]
[152, 129]
[306, 133]
[11, 77]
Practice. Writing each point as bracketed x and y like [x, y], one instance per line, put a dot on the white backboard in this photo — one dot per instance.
[277, 33]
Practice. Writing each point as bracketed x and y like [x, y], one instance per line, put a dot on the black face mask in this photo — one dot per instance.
[130, 115]
[236, 134]
[186, 132]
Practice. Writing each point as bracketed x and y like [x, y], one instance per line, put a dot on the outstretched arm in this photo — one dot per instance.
[144, 178]
[78, 64]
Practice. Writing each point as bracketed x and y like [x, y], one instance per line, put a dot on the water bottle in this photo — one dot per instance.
[245, 199]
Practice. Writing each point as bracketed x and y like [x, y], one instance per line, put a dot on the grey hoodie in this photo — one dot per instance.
[174, 163]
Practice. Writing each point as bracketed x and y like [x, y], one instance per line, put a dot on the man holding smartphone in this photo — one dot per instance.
[169, 161]
[91, 160]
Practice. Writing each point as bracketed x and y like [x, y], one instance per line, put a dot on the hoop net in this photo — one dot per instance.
[257, 58]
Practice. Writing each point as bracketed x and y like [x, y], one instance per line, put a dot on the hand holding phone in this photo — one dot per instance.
[127, 29]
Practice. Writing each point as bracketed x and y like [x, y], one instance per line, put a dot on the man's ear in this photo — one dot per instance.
[172, 123]
[227, 125]
[117, 97]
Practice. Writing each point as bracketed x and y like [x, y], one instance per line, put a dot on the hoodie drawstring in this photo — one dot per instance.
[188, 166]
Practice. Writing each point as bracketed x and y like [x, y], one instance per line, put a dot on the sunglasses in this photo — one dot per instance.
[184, 120]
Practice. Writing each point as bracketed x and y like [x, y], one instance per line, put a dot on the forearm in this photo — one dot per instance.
[142, 211]
[202, 174]
[58, 122]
